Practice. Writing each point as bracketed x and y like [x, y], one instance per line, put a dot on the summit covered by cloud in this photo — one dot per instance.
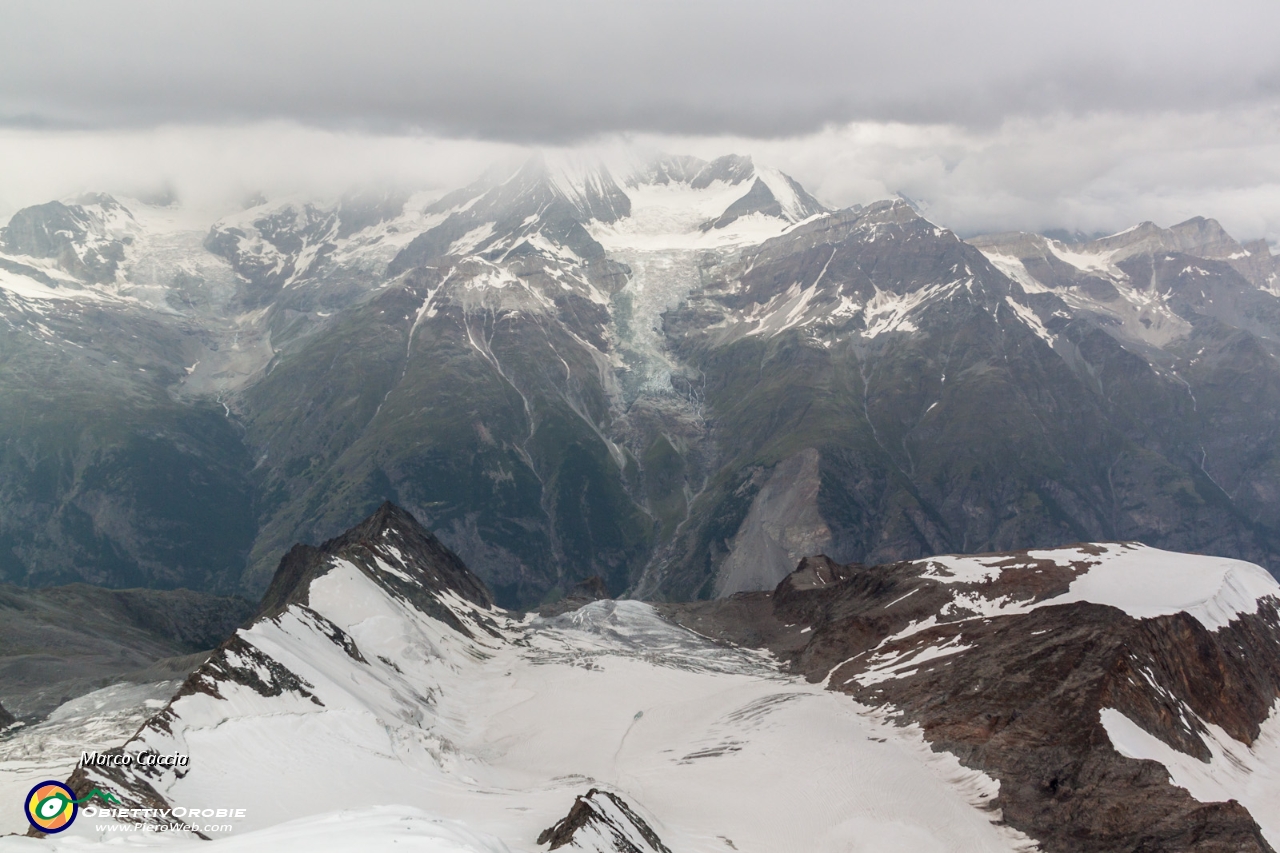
[993, 115]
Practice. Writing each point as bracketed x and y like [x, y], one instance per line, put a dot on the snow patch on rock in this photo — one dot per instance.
[1248, 774]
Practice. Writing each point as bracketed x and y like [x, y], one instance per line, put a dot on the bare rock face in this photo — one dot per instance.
[86, 239]
[783, 525]
[1023, 701]
[602, 822]
[977, 653]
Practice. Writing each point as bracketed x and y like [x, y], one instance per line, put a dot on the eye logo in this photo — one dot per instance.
[51, 807]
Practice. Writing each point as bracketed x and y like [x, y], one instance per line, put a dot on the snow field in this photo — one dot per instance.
[384, 828]
[667, 217]
[1142, 581]
[710, 745]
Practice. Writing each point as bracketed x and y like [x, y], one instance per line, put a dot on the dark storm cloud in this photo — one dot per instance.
[567, 69]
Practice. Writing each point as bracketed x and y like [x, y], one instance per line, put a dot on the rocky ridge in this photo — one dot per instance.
[602, 822]
[389, 550]
[1034, 666]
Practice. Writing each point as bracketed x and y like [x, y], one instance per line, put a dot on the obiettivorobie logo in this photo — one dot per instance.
[52, 806]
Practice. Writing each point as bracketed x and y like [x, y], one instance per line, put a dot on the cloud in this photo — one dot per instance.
[213, 168]
[995, 114]
[559, 71]
[1094, 172]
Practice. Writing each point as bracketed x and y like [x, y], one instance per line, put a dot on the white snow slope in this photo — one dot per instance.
[50, 750]
[438, 742]
[1142, 581]
[1249, 775]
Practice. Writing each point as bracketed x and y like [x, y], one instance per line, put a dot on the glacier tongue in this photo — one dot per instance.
[660, 280]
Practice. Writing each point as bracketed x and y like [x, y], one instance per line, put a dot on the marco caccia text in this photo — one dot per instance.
[124, 759]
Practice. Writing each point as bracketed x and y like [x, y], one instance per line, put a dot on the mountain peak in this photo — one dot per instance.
[602, 822]
[85, 237]
[666, 169]
[1046, 261]
[891, 211]
[731, 168]
[391, 547]
[589, 186]
[1199, 236]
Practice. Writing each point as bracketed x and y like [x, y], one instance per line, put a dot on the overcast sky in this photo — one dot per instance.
[1031, 114]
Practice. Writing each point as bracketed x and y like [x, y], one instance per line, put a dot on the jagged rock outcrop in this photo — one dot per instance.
[389, 533]
[602, 822]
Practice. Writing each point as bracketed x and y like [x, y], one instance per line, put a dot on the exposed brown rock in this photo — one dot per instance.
[623, 831]
[1023, 702]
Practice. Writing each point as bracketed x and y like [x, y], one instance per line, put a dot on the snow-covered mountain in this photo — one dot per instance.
[679, 375]
[200, 335]
[687, 203]
[379, 698]
[1146, 280]
[379, 674]
[84, 241]
[1121, 695]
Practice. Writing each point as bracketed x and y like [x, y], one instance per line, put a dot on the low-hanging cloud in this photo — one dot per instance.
[993, 115]
[1099, 172]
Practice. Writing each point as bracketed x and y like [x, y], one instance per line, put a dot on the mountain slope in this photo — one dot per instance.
[378, 676]
[1125, 698]
[478, 394]
[387, 679]
[678, 375]
[879, 390]
[61, 642]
